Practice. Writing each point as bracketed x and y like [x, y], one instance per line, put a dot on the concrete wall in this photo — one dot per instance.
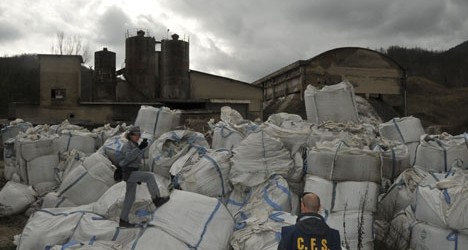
[207, 86]
[59, 72]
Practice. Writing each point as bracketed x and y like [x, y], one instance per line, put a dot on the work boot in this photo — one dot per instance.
[123, 223]
[159, 201]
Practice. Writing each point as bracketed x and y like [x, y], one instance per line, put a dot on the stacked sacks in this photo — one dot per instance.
[347, 181]
[37, 156]
[331, 103]
[263, 232]
[440, 152]
[407, 130]
[231, 130]
[14, 128]
[156, 121]
[85, 183]
[169, 147]
[206, 172]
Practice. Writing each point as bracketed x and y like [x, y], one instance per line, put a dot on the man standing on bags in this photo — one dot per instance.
[310, 231]
[132, 156]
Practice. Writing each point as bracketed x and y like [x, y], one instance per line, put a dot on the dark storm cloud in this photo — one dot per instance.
[268, 35]
[112, 26]
[8, 32]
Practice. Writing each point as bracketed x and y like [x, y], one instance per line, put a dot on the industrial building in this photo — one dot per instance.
[151, 76]
[372, 74]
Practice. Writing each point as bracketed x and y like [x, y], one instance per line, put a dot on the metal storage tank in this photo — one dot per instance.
[141, 67]
[175, 83]
[104, 76]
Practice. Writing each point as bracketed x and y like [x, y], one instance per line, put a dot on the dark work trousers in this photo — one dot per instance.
[134, 178]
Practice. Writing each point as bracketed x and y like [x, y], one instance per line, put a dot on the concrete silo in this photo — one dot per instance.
[141, 67]
[175, 82]
[105, 81]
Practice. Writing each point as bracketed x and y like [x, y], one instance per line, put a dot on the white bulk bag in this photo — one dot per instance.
[395, 159]
[331, 103]
[28, 149]
[402, 192]
[170, 146]
[289, 128]
[427, 237]
[199, 221]
[157, 121]
[83, 141]
[272, 195]
[405, 130]
[42, 169]
[112, 149]
[440, 152]
[209, 175]
[87, 182]
[352, 225]
[154, 237]
[225, 136]
[53, 200]
[105, 132]
[257, 158]
[261, 233]
[346, 195]
[15, 198]
[343, 163]
[353, 133]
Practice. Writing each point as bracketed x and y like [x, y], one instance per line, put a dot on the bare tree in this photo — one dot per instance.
[70, 45]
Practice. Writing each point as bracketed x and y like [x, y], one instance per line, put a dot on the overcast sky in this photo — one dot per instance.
[240, 39]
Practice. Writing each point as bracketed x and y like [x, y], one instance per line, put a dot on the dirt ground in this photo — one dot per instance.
[9, 226]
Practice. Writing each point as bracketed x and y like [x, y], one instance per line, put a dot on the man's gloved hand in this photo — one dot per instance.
[159, 201]
[143, 144]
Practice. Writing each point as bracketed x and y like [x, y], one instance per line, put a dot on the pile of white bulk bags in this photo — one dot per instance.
[86, 182]
[407, 130]
[81, 140]
[441, 152]
[157, 121]
[169, 147]
[331, 103]
[37, 157]
[15, 198]
[257, 158]
[14, 128]
[289, 128]
[261, 233]
[208, 175]
[107, 131]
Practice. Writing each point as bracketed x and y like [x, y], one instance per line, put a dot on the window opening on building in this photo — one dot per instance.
[58, 94]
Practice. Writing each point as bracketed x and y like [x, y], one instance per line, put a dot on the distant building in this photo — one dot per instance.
[373, 75]
[150, 77]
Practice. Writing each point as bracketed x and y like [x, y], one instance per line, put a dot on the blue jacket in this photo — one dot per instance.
[310, 232]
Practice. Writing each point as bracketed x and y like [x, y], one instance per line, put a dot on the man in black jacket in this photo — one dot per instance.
[310, 232]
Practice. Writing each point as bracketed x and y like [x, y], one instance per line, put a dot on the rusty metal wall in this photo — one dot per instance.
[175, 82]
